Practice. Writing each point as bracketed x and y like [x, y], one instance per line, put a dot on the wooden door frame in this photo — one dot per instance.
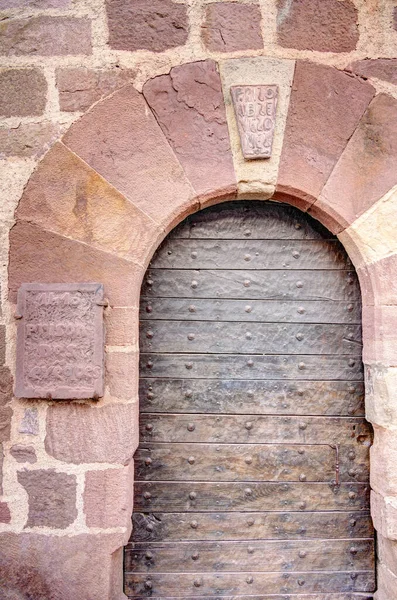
[137, 185]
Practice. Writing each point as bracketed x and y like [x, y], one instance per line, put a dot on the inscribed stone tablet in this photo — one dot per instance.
[255, 108]
[60, 341]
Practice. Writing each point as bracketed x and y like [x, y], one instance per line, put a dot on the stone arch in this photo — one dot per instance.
[125, 174]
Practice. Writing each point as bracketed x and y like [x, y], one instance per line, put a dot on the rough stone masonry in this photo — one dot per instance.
[96, 170]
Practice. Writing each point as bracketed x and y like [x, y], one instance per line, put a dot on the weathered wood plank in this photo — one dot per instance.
[243, 429]
[221, 584]
[251, 366]
[253, 462]
[153, 527]
[265, 311]
[282, 285]
[270, 338]
[190, 557]
[339, 398]
[250, 220]
[251, 254]
[168, 497]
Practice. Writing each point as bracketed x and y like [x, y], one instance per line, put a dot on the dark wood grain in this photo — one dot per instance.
[252, 311]
[344, 398]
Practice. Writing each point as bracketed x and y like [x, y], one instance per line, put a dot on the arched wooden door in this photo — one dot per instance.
[252, 470]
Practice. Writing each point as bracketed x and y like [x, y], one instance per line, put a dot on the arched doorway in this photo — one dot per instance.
[253, 466]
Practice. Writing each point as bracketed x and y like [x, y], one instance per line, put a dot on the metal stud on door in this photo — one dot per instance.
[252, 474]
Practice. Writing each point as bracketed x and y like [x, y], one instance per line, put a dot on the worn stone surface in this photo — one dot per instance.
[23, 92]
[321, 119]
[381, 395]
[387, 584]
[67, 197]
[383, 462]
[7, 4]
[188, 104]
[45, 36]
[28, 140]
[87, 434]
[327, 26]
[230, 27]
[122, 141]
[122, 374]
[51, 497]
[5, 515]
[30, 422]
[1, 468]
[108, 497]
[384, 514]
[381, 68]
[5, 423]
[365, 171]
[155, 25]
[380, 334]
[387, 552]
[373, 235]
[257, 178]
[378, 281]
[80, 87]
[2, 344]
[122, 326]
[60, 567]
[41, 256]
[23, 454]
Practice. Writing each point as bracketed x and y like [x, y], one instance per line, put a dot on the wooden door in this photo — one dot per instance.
[252, 470]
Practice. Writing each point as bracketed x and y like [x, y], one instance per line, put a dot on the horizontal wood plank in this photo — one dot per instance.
[242, 338]
[265, 311]
[281, 285]
[319, 596]
[237, 525]
[253, 462]
[243, 429]
[252, 366]
[250, 219]
[339, 398]
[204, 496]
[251, 254]
[190, 557]
[221, 584]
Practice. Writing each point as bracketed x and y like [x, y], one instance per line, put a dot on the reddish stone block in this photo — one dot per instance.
[122, 374]
[155, 25]
[51, 496]
[325, 108]
[395, 17]
[1, 468]
[189, 106]
[5, 515]
[5, 423]
[58, 567]
[378, 281]
[88, 434]
[122, 326]
[45, 36]
[29, 140]
[230, 27]
[108, 497]
[2, 344]
[326, 26]
[23, 92]
[80, 87]
[383, 455]
[367, 168]
[7, 4]
[381, 68]
[40, 256]
[67, 197]
[380, 334]
[122, 141]
[23, 454]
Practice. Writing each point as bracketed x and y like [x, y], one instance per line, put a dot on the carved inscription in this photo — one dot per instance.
[255, 107]
[60, 341]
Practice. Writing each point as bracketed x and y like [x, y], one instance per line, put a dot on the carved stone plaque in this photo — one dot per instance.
[255, 107]
[60, 346]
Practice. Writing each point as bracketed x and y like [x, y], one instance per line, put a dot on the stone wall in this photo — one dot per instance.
[110, 187]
